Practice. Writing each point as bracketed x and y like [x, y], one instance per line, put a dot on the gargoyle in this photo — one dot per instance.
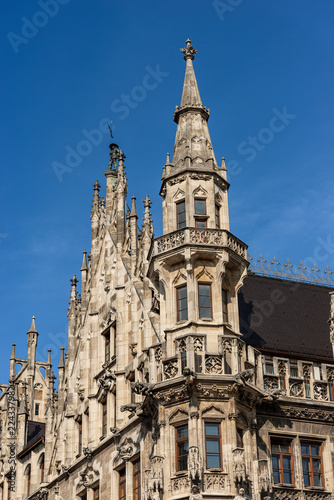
[244, 376]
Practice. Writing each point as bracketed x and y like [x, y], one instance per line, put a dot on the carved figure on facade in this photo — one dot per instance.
[195, 493]
[126, 449]
[264, 476]
[245, 376]
[107, 381]
[194, 465]
[239, 465]
[241, 495]
[89, 475]
[143, 388]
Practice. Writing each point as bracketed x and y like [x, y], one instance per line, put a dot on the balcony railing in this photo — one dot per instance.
[198, 236]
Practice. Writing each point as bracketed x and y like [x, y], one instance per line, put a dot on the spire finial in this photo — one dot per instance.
[189, 51]
[32, 328]
[49, 357]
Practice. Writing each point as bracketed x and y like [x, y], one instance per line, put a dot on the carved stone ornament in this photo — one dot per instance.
[143, 388]
[89, 475]
[241, 495]
[195, 493]
[41, 494]
[154, 478]
[177, 180]
[170, 369]
[239, 465]
[194, 464]
[127, 449]
[107, 381]
[264, 476]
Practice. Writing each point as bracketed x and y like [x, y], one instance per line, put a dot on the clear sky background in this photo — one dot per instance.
[256, 59]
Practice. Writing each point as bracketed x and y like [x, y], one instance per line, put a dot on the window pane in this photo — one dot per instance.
[287, 477]
[183, 448]
[306, 479]
[212, 446]
[286, 462]
[276, 476]
[182, 432]
[317, 480]
[200, 207]
[204, 301]
[305, 449]
[294, 371]
[314, 449]
[306, 464]
[275, 461]
[316, 465]
[213, 461]
[200, 223]
[269, 368]
[285, 448]
[275, 447]
[183, 292]
[212, 429]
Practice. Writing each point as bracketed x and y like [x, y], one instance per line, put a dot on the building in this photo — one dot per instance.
[186, 376]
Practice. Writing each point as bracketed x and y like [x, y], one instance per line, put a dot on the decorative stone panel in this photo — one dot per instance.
[320, 391]
[180, 484]
[213, 364]
[215, 481]
[239, 465]
[170, 369]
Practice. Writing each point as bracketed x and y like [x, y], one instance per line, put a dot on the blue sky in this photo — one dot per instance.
[66, 67]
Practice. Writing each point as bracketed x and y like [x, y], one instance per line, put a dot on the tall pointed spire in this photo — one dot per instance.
[193, 146]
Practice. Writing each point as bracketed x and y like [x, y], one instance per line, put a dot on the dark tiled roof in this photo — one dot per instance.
[35, 433]
[285, 316]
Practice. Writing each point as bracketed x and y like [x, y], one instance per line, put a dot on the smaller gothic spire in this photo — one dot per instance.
[96, 196]
[62, 358]
[32, 328]
[13, 355]
[74, 282]
[49, 362]
[84, 261]
[133, 212]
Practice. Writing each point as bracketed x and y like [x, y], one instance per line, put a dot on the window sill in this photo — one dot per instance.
[284, 485]
[214, 469]
[314, 488]
[205, 319]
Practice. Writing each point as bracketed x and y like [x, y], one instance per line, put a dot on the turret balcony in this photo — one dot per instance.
[199, 237]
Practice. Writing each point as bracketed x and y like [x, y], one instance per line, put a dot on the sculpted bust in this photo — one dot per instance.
[195, 493]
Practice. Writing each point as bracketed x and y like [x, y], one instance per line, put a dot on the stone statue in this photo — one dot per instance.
[241, 495]
[195, 493]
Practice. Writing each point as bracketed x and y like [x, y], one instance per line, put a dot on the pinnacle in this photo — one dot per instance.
[32, 328]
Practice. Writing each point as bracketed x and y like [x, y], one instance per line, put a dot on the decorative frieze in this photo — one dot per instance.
[180, 484]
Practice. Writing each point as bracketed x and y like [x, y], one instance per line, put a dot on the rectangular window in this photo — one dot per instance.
[36, 409]
[312, 465]
[181, 214]
[204, 295]
[107, 346]
[136, 480]
[122, 485]
[224, 304]
[293, 370]
[281, 457]
[217, 217]
[213, 446]
[183, 360]
[182, 303]
[182, 447]
[200, 223]
[198, 363]
[269, 367]
[200, 207]
[240, 437]
[104, 417]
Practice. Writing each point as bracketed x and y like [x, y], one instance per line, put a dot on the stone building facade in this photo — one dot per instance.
[171, 387]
